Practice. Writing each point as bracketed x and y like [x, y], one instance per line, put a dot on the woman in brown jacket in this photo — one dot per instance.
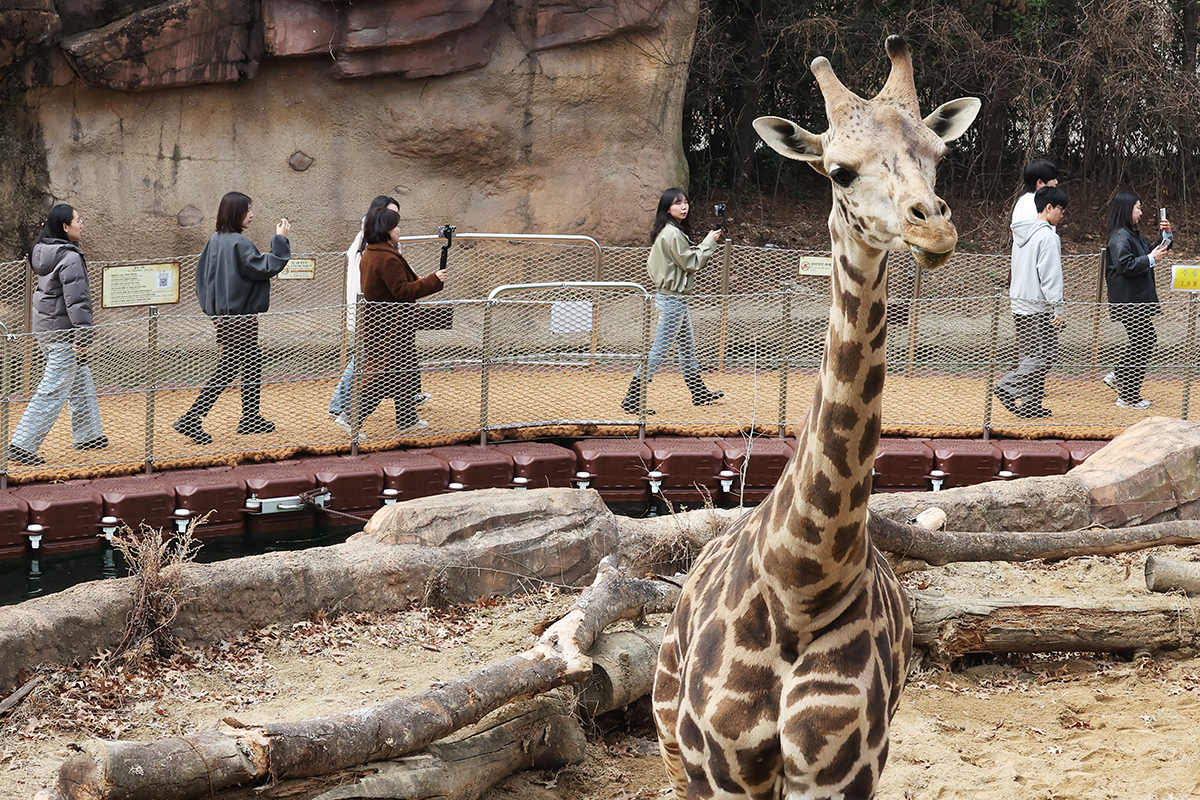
[390, 366]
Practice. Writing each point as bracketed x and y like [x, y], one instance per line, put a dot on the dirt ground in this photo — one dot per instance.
[1065, 725]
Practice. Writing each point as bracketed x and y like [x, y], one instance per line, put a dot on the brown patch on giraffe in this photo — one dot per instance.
[758, 765]
[837, 449]
[690, 735]
[845, 540]
[876, 313]
[850, 307]
[868, 444]
[847, 658]
[847, 360]
[861, 492]
[852, 271]
[876, 698]
[863, 784]
[872, 385]
[820, 494]
[838, 769]
[718, 768]
[752, 630]
[808, 739]
[879, 340]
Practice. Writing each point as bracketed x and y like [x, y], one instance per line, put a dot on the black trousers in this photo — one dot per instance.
[1132, 370]
[237, 338]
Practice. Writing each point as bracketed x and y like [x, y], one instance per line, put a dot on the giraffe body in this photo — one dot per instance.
[786, 655]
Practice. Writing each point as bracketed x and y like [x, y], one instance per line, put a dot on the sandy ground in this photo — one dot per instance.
[1064, 725]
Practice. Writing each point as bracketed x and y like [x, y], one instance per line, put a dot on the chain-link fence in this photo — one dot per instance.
[165, 385]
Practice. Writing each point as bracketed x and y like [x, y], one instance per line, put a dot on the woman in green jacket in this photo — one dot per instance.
[673, 264]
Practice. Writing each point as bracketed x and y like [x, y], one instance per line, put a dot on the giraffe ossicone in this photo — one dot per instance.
[784, 660]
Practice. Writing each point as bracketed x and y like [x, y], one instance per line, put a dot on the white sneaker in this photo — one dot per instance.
[421, 398]
[419, 425]
[1110, 380]
[1139, 404]
[343, 422]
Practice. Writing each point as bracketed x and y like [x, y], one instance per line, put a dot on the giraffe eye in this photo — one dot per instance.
[842, 176]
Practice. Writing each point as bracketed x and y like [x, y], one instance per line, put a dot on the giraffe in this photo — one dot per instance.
[785, 657]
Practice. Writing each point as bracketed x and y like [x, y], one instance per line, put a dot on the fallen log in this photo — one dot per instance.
[538, 734]
[199, 764]
[623, 667]
[1172, 575]
[949, 627]
[938, 548]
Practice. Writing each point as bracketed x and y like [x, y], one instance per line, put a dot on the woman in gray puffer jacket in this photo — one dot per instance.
[62, 323]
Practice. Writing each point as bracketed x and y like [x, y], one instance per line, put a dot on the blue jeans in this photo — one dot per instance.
[65, 380]
[674, 327]
[340, 402]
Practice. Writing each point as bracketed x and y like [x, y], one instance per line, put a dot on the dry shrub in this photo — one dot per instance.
[156, 564]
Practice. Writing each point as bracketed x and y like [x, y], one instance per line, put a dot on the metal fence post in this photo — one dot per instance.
[723, 338]
[1189, 348]
[993, 363]
[1098, 313]
[484, 368]
[914, 311]
[785, 359]
[151, 383]
[5, 391]
[356, 377]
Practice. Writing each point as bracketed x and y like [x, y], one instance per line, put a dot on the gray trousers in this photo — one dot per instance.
[1037, 350]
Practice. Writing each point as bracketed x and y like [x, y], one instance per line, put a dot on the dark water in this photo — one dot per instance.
[40, 574]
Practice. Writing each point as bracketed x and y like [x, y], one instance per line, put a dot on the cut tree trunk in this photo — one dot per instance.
[623, 666]
[950, 627]
[108, 770]
[1171, 575]
[537, 734]
[937, 548]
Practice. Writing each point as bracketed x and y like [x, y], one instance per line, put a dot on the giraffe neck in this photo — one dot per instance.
[815, 545]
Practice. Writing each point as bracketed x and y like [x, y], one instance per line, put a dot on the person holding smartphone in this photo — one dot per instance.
[1133, 299]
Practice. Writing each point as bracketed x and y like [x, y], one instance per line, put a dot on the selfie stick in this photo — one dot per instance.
[448, 232]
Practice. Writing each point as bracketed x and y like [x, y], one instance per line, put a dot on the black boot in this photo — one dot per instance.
[633, 396]
[701, 396]
[189, 426]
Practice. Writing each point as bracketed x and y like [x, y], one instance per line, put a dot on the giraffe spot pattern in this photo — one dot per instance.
[752, 630]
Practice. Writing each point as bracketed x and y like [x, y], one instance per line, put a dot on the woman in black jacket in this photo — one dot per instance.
[1132, 297]
[233, 286]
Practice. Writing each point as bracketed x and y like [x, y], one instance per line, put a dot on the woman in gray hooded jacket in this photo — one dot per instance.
[62, 323]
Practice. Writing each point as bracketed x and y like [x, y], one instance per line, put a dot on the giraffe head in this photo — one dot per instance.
[881, 158]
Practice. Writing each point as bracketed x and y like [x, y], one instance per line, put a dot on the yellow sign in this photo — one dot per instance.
[816, 265]
[299, 269]
[1185, 277]
[139, 285]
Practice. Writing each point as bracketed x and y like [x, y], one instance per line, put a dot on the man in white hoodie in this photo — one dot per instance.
[1036, 292]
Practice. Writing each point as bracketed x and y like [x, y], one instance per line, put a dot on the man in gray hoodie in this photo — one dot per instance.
[1036, 292]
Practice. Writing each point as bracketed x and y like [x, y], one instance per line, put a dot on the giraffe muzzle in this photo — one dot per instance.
[928, 259]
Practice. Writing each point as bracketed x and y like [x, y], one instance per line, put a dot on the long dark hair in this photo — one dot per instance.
[379, 224]
[231, 212]
[54, 227]
[382, 201]
[663, 217]
[1121, 213]
[56, 222]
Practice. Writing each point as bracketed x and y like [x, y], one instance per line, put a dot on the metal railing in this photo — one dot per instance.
[556, 353]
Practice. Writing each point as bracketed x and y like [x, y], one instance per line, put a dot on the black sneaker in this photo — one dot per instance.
[255, 424]
[1006, 398]
[99, 443]
[189, 426]
[22, 456]
[1029, 413]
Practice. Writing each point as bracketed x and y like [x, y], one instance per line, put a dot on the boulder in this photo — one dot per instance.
[25, 25]
[385, 23]
[1150, 473]
[85, 15]
[469, 48]
[175, 44]
[300, 27]
[544, 24]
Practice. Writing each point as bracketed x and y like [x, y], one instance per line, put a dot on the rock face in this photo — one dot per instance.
[521, 116]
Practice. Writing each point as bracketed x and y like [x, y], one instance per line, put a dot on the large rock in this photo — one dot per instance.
[182, 43]
[467, 48]
[85, 15]
[386, 23]
[1150, 473]
[25, 25]
[301, 27]
[543, 24]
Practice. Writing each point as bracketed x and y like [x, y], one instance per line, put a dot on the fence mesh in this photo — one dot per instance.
[562, 356]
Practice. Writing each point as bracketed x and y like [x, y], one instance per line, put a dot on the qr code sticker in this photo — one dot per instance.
[163, 280]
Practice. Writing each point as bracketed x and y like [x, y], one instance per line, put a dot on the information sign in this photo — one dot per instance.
[124, 285]
[299, 269]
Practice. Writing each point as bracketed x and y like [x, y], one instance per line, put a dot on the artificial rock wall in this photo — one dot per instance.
[525, 116]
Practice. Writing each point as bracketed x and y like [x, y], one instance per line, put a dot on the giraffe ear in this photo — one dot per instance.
[951, 120]
[789, 139]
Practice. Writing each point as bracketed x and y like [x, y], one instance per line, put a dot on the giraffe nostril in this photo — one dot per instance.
[918, 213]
